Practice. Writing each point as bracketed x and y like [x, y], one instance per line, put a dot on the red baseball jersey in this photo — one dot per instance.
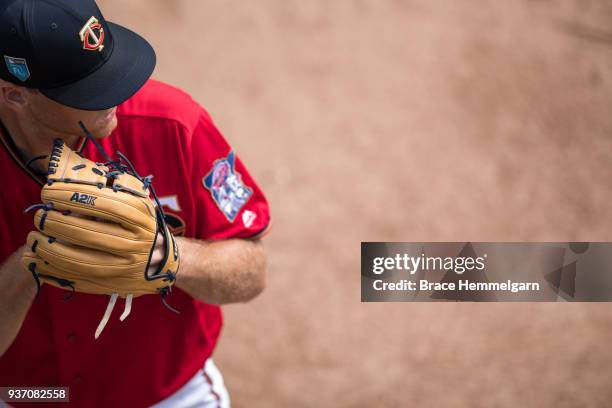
[206, 193]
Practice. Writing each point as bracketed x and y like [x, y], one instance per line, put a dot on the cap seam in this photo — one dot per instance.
[7, 5]
[63, 7]
[27, 17]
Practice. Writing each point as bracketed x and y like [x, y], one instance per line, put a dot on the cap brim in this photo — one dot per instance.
[122, 75]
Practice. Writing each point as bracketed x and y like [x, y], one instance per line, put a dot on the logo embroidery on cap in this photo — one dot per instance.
[92, 35]
[18, 67]
[226, 187]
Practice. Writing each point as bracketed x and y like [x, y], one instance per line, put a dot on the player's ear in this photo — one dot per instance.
[13, 96]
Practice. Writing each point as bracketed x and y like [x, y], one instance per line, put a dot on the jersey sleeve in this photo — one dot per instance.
[227, 200]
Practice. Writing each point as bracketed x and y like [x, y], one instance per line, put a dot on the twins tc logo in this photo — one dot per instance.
[92, 35]
[84, 199]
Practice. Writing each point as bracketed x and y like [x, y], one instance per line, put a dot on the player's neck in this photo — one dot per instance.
[31, 139]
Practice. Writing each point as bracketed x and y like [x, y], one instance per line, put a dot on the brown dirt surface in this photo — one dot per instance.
[405, 120]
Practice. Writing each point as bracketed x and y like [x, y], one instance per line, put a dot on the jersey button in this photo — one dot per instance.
[72, 338]
[78, 379]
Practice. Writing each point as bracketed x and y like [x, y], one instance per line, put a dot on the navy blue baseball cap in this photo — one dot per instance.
[67, 50]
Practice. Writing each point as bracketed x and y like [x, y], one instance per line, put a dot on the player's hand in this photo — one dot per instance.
[158, 255]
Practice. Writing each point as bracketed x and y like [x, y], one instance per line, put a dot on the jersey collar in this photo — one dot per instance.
[9, 145]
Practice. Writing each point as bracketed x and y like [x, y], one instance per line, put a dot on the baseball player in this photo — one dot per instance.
[64, 69]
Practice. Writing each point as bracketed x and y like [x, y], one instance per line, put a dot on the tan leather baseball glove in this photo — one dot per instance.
[97, 228]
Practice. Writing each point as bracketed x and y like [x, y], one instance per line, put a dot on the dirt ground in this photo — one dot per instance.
[409, 121]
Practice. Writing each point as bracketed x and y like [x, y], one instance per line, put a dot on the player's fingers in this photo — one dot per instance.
[93, 234]
[159, 251]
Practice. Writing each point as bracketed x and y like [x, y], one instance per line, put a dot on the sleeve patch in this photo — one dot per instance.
[226, 187]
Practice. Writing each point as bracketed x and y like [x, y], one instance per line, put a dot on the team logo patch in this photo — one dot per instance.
[92, 35]
[18, 67]
[226, 187]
